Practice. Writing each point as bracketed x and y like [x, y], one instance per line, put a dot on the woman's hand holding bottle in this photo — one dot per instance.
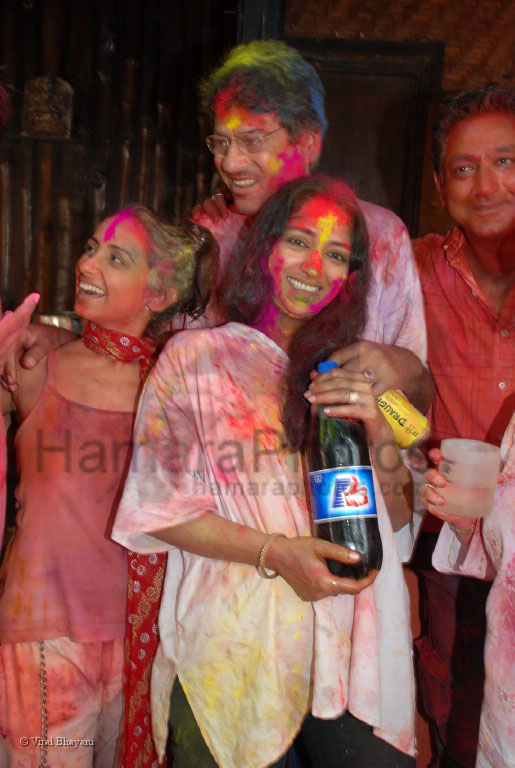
[301, 561]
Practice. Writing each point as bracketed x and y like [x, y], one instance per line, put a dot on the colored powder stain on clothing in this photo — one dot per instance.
[18, 606]
[294, 616]
[217, 633]
[235, 689]
[73, 691]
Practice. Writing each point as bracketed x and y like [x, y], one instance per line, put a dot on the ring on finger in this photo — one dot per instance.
[353, 398]
[216, 194]
[368, 373]
[426, 485]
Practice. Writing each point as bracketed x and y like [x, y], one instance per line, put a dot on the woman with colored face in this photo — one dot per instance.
[64, 581]
[258, 639]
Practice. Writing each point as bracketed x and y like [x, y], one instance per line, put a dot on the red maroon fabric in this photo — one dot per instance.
[119, 346]
[146, 576]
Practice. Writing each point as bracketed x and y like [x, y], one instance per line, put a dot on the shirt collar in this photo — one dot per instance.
[455, 246]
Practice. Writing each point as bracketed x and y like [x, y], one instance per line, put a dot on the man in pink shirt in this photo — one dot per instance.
[467, 278]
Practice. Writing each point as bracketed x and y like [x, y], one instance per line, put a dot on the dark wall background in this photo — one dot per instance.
[136, 136]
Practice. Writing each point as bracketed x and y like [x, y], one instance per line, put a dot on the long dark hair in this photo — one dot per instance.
[247, 287]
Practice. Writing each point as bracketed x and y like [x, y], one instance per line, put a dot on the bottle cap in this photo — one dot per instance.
[327, 365]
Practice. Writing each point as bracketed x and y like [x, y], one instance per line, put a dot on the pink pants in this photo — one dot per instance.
[83, 704]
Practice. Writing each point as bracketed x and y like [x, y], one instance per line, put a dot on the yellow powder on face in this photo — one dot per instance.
[233, 122]
[326, 224]
[275, 165]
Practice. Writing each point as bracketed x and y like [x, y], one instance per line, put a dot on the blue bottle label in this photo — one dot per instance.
[342, 493]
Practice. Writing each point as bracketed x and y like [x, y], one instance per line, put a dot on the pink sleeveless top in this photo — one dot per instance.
[62, 574]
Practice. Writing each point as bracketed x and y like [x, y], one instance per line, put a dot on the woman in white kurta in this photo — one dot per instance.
[485, 548]
[211, 479]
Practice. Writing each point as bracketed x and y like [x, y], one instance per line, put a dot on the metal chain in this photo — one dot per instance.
[44, 716]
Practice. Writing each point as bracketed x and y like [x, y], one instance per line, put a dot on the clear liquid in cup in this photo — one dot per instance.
[466, 501]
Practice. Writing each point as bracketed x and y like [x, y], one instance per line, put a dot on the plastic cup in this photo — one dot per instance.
[471, 469]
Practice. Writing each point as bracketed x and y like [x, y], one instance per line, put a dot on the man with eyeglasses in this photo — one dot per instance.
[267, 107]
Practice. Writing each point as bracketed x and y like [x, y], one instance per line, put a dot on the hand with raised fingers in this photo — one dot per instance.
[215, 207]
[301, 561]
[14, 336]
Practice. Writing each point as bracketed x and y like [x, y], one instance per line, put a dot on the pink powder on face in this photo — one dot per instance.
[326, 217]
[315, 262]
[111, 229]
[224, 100]
[321, 208]
[335, 287]
[288, 167]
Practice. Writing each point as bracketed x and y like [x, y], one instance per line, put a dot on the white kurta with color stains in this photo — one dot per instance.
[252, 657]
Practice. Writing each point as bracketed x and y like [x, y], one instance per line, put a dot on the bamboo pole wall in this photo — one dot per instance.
[136, 135]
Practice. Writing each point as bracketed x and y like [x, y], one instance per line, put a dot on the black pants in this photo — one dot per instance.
[342, 743]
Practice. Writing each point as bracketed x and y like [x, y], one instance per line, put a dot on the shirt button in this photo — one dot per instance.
[474, 294]
[505, 333]
[502, 385]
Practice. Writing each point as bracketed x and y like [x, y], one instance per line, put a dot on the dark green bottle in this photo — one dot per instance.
[342, 489]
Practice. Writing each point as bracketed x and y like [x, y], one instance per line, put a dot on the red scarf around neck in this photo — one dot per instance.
[119, 346]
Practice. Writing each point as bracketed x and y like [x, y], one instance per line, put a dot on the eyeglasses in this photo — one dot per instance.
[248, 144]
